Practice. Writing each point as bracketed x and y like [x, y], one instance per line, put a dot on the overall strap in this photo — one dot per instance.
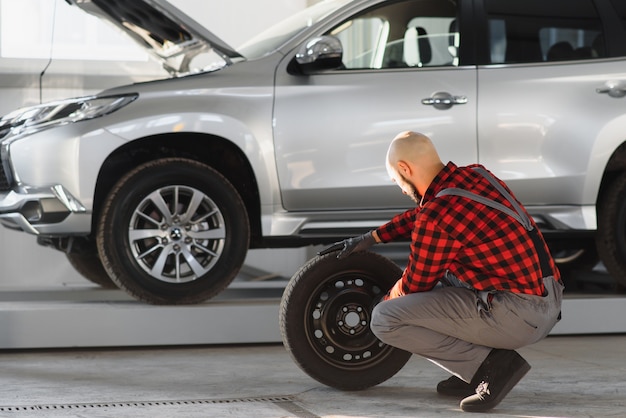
[519, 215]
[487, 202]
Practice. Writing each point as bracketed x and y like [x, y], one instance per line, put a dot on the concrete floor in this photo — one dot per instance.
[572, 376]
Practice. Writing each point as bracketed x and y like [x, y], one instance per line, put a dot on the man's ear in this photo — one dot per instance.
[404, 168]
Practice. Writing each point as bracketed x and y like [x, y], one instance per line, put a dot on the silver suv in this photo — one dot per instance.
[161, 187]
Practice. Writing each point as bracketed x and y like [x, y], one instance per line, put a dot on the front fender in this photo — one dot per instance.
[68, 155]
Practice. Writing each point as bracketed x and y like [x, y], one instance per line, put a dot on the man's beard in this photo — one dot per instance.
[414, 195]
[417, 198]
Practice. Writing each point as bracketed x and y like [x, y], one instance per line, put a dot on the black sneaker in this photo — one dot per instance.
[453, 386]
[495, 378]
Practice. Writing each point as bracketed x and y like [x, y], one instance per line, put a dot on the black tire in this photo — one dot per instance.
[85, 260]
[611, 234]
[325, 314]
[582, 259]
[157, 253]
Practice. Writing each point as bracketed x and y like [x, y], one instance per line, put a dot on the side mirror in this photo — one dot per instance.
[319, 54]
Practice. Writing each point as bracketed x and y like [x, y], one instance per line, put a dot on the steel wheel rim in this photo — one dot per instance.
[338, 316]
[176, 234]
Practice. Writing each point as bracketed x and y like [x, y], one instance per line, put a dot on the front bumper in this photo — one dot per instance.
[44, 211]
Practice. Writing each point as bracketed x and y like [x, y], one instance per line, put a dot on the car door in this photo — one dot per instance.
[401, 71]
[545, 98]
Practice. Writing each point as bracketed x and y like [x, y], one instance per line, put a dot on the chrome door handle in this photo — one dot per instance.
[612, 89]
[443, 100]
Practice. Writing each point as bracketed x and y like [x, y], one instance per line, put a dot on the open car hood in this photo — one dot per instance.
[164, 31]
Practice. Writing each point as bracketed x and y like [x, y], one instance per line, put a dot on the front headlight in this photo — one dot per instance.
[35, 118]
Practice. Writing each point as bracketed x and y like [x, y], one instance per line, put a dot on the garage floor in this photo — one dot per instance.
[572, 376]
[49, 366]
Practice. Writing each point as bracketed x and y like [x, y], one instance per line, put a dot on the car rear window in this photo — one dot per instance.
[540, 31]
[620, 8]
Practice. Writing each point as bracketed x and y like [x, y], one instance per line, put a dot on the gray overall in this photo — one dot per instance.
[456, 326]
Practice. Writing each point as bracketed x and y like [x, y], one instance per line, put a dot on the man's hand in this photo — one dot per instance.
[350, 245]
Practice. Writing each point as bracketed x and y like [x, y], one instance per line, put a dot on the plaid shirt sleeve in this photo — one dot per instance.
[400, 227]
[431, 250]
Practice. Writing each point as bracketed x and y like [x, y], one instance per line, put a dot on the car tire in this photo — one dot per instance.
[611, 234]
[325, 315]
[158, 252]
[85, 260]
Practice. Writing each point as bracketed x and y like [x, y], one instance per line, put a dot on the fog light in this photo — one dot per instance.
[44, 211]
[32, 211]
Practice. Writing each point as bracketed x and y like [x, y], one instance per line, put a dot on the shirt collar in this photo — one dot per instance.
[437, 184]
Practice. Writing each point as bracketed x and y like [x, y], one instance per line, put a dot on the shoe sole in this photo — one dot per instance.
[519, 374]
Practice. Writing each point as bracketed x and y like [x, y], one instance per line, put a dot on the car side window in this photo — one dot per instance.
[415, 33]
[540, 31]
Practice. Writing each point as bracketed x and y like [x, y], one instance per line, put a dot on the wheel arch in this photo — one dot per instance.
[611, 215]
[614, 167]
[606, 158]
[217, 152]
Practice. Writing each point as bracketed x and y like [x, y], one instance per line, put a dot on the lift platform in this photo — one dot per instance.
[246, 312]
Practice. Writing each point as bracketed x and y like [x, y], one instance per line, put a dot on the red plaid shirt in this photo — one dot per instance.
[480, 245]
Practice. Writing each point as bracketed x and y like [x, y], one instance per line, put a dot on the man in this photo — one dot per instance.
[479, 283]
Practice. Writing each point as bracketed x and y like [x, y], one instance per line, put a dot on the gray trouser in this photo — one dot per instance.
[452, 327]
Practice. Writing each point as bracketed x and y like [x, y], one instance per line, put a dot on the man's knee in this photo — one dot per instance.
[382, 322]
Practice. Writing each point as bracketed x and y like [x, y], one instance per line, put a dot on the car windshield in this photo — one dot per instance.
[272, 38]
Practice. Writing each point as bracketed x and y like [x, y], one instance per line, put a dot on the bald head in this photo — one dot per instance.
[412, 158]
